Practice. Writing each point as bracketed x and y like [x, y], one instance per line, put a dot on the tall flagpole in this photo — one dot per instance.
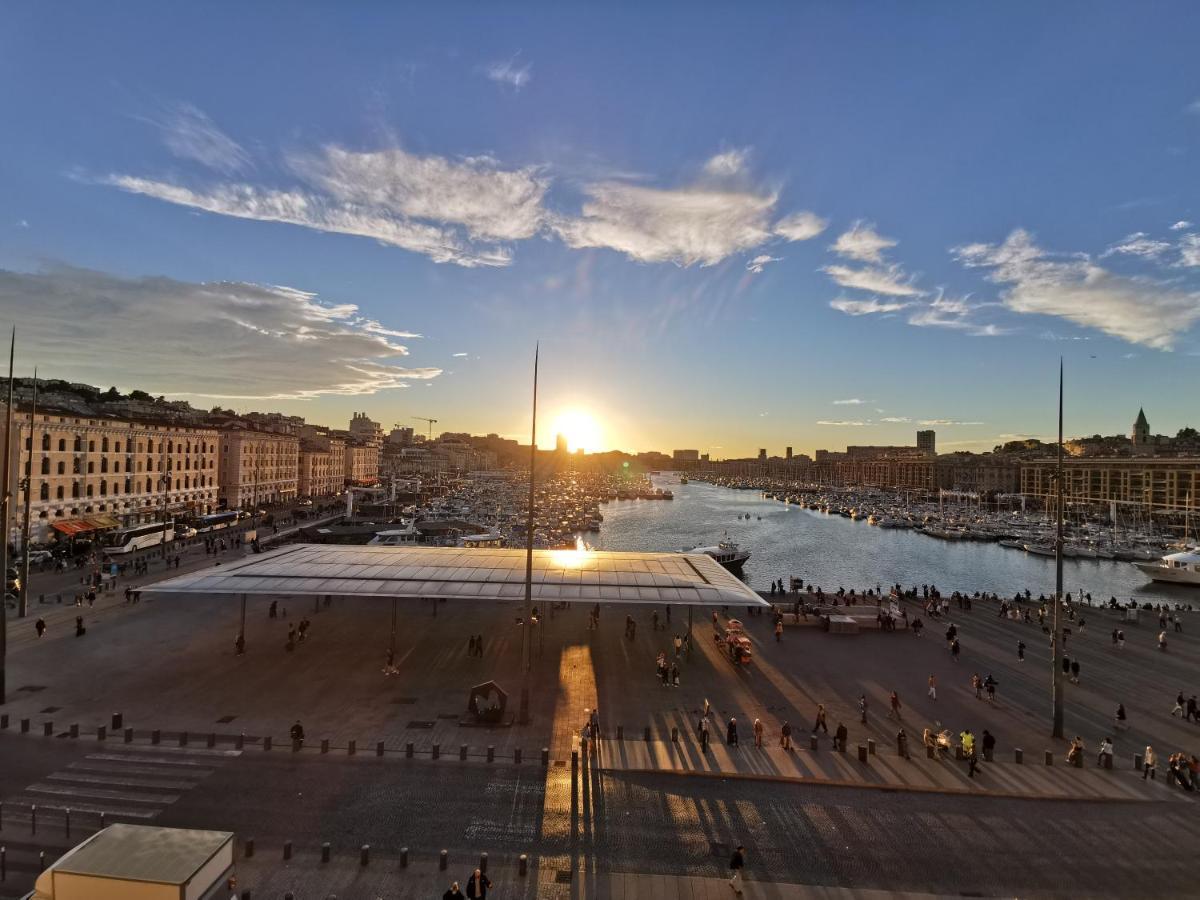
[5, 498]
[23, 604]
[1056, 636]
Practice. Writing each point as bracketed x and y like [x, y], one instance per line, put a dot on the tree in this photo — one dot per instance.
[139, 395]
[111, 394]
[1187, 433]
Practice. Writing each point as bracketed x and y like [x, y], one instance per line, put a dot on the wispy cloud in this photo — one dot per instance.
[800, 226]
[760, 262]
[510, 72]
[1138, 244]
[460, 355]
[894, 420]
[1181, 225]
[889, 280]
[190, 134]
[1138, 310]
[852, 307]
[841, 422]
[853, 401]
[1189, 250]
[947, 422]
[194, 339]
[944, 311]
[731, 162]
[862, 243]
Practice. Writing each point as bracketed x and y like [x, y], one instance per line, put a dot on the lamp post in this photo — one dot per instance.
[23, 602]
[4, 506]
[1056, 630]
[526, 634]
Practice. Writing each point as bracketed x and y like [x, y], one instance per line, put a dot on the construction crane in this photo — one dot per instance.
[431, 422]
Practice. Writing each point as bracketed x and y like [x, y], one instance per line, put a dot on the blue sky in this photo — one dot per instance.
[723, 224]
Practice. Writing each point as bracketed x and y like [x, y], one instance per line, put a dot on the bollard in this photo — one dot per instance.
[522, 864]
[812, 742]
[862, 753]
[443, 859]
[408, 750]
[24, 726]
[155, 736]
[437, 750]
[364, 855]
[379, 749]
[545, 756]
[491, 753]
[646, 734]
[241, 741]
[462, 751]
[212, 739]
[1049, 758]
[674, 735]
[870, 746]
[117, 721]
[267, 742]
[1137, 762]
[33, 819]
[249, 847]
[324, 745]
[404, 857]
[67, 821]
[183, 739]
[101, 732]
[1018, 755]
[48, 729]
[483, 862]
[287, 849]
[517, 755]
[101, 822]
[620, 732]
[74, 731]
[41, 860]
[129, 735]
[325, 852]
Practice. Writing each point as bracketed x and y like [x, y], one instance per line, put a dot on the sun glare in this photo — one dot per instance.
[580, 429]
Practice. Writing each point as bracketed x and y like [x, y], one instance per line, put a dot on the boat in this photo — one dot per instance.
[683, 480]
[727, 553]
[395, 537]
[1176, 568]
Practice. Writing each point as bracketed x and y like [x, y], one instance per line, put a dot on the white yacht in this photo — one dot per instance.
[727, 553]
[396, 537]
[1176, 568]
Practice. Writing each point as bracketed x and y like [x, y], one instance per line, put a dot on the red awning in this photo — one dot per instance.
[79, 526]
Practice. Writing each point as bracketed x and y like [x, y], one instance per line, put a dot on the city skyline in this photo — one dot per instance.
[824, 254]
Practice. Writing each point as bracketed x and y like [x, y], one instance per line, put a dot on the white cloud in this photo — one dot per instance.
[892, 420]
[841, 422]
[760, 262]
[22, 223]
[686, 226]
[1138, 310]
[853, 307]
[190, 134]
[220, 339]
[731, 162]
[1189, 250]
[953, 312]
[1193, 107]
[460, 355]
[1138, 244]
[889, 280]
[1181, 225]
[800, 226]
[928, 422]
[863, 243]
[853, 401]
[509, 72]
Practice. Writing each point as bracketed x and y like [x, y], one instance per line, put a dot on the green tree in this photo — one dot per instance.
[1187, 433]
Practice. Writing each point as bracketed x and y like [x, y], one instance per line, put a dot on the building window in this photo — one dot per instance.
[128, 486]
[74, 490]
[44, 493]
[46, 441]
[150, 446]
[103, 488]
[78, 444]
[58, 493]
[104, 464]
[104, 445]
[62, 467]
[91, 446]
[91, 467]
[62, 445]
[117, 447]
[46, 465]
[89, 490]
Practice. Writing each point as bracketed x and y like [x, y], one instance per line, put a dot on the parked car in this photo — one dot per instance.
[183, 532]
[38, 557]
[306, 502]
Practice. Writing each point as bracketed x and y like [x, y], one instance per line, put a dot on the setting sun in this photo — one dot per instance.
[581, 430]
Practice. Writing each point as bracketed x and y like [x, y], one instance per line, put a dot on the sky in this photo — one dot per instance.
[729, 227]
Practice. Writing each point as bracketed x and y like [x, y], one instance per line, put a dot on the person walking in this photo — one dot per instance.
[840, 735]
[758, 732]
[454, 893]
[1149, 763]
[478, 885]
[704, 735]
[1119, 716]
[990, 684]
[820, 723]
[977, 683]
[737, 862]
[1075, 671]
[895, 702]
[1178, 710]
[1106, 750]
[40, 627]
[778, 630]
[297, 734]
[785, 736]
[1021, 651]
[932, 687]
[862, 708]
[678, 645]
[1192, 712]
[731, 732]
[989, 745]
[955, 649]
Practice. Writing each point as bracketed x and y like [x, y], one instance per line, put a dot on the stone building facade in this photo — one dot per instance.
[257, 467]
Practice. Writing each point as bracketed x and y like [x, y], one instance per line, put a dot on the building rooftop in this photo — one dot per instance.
[573, 576]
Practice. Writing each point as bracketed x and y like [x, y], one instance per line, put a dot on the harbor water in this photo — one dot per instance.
[832, 551]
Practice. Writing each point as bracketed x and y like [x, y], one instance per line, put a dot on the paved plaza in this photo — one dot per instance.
[168, 664]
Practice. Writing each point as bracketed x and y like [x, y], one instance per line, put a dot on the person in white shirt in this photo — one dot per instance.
[1106, 749]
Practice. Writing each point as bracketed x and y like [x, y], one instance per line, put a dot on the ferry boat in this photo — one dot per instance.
[727, 553]
[396, 537]
[1176, 568]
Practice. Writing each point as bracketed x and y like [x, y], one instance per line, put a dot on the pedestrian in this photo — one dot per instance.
[955, 649]
[972, 762]
[736, 863]
[1120, 639]
[1178, 710]
[731, 732]
[785, 736]
[1020, 651]
[1162, 640]
[674, 674]
[1149, 763]
[1192, 712]
[40, 627]
[1114, 637]
[654, 620]
[820, 723]
[470, 645]
[990, 683]
[758, 732]
[989, 745]
[1119, 716]
[932, 687]
[1106, 749]
[478, 884]
[895, 702]
[454, 893]
[862, 708]
[778, 630]
[678, 645]
[297, 733]
[840, 735]
[977, 683]
[80, 631]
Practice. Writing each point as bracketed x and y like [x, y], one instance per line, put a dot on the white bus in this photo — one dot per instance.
[217, 521]
[139, 537]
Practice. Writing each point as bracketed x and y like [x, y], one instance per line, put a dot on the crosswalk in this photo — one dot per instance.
[126, 783]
